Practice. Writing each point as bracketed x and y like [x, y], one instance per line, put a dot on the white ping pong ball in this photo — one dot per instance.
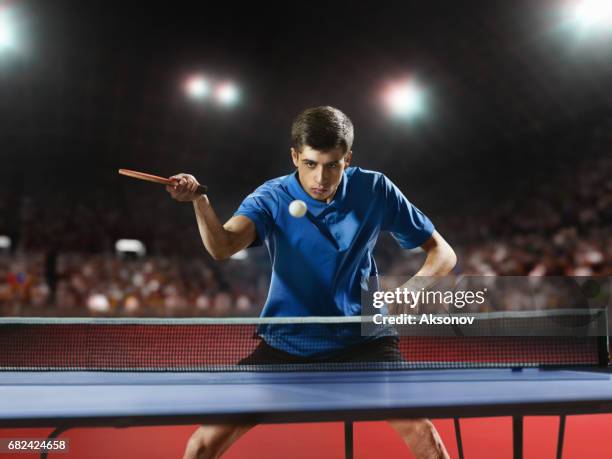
[297, 208]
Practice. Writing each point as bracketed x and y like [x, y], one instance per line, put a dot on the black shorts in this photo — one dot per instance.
[383, 349]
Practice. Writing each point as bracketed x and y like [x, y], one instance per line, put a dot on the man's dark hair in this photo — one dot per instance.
[322, 128]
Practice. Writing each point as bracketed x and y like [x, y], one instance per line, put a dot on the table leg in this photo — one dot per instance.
[560, 436]
[458, 437]
[348, 439]
[56, 433]
[517, 436]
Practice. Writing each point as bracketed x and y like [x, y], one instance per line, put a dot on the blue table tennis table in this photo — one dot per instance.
[95, 399]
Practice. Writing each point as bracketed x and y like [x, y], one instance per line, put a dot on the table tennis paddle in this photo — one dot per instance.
[155, 179]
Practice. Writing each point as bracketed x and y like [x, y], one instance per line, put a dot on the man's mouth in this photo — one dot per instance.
[319, 190]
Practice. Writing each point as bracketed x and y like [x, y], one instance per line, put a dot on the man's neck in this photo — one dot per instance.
[327, 200]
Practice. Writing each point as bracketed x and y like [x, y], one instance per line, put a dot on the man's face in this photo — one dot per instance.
[320, 172]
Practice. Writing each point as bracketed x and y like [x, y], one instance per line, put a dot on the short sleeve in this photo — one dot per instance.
[260, 207]
[407, 224]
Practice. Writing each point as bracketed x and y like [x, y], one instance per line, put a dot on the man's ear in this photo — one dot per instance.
[295, 157]
[348, 157]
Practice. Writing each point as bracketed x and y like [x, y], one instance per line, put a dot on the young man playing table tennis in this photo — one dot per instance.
[319, 261]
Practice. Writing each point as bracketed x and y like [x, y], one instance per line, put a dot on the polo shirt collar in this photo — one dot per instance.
[315, 206]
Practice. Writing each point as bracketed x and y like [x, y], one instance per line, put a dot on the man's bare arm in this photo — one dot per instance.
[221, 241]
[441, 259]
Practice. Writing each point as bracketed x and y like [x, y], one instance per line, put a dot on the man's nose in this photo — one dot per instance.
[321, 176]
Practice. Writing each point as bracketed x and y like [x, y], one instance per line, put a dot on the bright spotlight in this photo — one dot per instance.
[588, 18]
[7, 35]
[593, 13]
[405, 99]
[130, 246]
[227, 94]
[197, 87]
[5, 242]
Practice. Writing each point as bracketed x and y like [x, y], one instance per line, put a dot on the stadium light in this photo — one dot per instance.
[587, 19]
[7, 34]
[593, 14]
[227, 94]
[130, 246]
[197, 87]
[405, 99]
[5, 242]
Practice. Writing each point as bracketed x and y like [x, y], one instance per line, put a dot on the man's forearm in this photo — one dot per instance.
[439, 262]
[441, 259]
[215, 237]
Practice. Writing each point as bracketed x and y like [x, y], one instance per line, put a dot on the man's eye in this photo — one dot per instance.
[310, 165]
[333, 166]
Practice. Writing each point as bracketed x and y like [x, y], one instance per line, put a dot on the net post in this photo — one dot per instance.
[603, 349]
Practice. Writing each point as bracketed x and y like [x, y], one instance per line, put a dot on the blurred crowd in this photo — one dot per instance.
[109, 285]
[562, 228]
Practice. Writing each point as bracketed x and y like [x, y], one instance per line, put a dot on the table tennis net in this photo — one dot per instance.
[180, 345]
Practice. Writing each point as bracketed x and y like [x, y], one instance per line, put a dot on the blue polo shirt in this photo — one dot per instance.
[322, 261]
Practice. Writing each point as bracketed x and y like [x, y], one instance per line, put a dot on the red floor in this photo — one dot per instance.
[586, 437]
